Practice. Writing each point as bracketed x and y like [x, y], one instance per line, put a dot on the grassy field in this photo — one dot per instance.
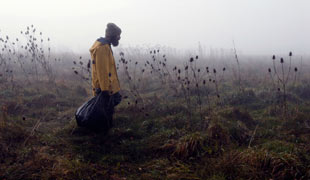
[179, 119]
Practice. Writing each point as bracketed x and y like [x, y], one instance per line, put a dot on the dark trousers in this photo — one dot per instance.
[109, 102]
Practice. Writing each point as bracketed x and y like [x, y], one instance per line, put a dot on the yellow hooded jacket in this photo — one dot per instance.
[104, 74]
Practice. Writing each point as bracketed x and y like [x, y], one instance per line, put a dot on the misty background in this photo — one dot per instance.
[258, 27]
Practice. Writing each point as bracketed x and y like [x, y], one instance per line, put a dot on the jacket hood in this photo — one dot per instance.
[100, 41]
[103, 41]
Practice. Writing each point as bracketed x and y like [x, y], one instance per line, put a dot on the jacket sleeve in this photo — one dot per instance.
[103, 64]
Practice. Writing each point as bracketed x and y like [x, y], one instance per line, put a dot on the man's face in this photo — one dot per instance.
[115, 40]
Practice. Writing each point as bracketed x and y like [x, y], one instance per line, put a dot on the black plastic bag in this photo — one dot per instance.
[96, 114]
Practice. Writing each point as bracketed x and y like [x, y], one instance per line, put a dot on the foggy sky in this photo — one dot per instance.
[256, 26]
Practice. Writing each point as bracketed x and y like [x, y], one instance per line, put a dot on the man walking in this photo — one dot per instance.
[104, 75]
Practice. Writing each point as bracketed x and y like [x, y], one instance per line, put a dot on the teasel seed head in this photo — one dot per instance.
[88, 64]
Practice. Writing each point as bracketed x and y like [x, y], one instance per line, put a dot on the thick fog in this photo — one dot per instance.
[256, 26]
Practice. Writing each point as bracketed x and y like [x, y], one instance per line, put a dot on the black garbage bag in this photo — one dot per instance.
[96, 114]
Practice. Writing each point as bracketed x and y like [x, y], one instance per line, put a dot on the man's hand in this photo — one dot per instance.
[97, 91]
[104, 93]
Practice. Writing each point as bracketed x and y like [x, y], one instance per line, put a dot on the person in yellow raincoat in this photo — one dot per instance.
[104, 75]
